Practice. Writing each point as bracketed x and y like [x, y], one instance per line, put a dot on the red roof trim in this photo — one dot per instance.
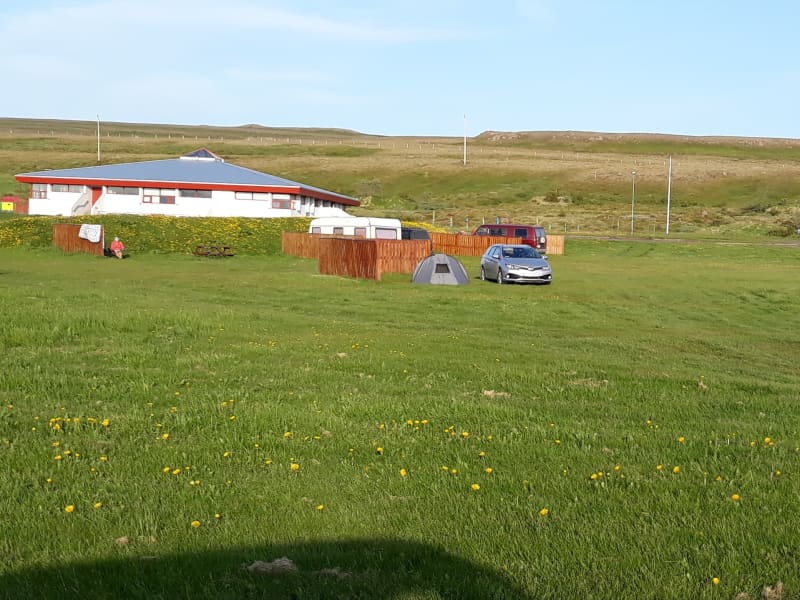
[318, 194]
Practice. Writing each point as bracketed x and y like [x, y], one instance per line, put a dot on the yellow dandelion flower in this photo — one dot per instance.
[768, 440]
[295, 467]
[166, 469]
[409, 421]
[98, 505]
[403, 473]
[104, 458]
[475, 487]
[69, 508]
[482, 454]
[681, 439]
[268, 461]
[676, 469]
[49, 480]
[715, 580]
[379, 450]
[226, 454]
[55, 444]
[232, 418]
[320, 507]
[164, 436]
[176, 471]
[465, 434]
[659, 467]
[454, 471]
[196, 523]
[617, 467]
[593, 476]
[488, 470]
[778, 473]
[105, 422]
[57, 457]
[217, 516]
[735, 497]
[544, 512]
[557, 442]
[287, 434]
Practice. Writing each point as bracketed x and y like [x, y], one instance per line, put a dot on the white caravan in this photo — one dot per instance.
[372, 228]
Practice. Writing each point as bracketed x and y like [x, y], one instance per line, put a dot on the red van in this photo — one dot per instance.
[532, 235]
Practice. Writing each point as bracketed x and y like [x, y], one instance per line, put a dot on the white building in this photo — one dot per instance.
[198, 184]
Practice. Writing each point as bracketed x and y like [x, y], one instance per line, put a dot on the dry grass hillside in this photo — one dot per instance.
[570, 181]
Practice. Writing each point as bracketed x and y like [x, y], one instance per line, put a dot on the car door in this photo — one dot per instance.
[491, 262]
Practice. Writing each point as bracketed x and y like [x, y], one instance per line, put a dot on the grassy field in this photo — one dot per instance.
[628, 432]
[571, 182]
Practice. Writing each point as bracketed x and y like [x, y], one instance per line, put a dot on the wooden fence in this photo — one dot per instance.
[370, 259]
[65, 236]
[458, 244]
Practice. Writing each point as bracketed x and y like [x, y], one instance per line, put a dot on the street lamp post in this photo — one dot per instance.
[633, 197]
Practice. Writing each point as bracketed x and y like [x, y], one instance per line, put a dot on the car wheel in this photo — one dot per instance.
[483, 274]
[499, 275]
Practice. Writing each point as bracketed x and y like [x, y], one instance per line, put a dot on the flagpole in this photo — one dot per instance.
[98, 139]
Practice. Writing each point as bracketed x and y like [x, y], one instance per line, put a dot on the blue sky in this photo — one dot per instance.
[409, 67]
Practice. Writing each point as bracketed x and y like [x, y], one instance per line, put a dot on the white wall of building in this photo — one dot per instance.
[222, 203]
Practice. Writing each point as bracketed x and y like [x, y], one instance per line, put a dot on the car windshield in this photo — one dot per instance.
[519, 252]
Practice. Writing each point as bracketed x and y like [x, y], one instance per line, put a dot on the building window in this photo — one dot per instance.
[281, 204]
[360, 232]
[195, 193]
[252, 196]
[118, 189]
[156, 196]
[39, 190]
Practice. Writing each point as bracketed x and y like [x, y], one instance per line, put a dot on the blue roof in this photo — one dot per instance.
[198, 167]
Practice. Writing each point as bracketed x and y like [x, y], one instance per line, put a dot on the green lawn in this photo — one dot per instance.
[630, 431]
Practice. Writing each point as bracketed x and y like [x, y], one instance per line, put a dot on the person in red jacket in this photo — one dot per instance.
[117, 247]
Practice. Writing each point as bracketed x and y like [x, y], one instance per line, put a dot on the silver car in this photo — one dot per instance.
[515, 263]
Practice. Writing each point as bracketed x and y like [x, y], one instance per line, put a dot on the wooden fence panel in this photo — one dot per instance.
[303, 245]
[555, 244]
[348, 257]
[457, 244]
[65, 236]
[401, 256]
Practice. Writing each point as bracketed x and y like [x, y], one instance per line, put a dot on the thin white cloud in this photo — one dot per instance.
[110, 20]
[538, 11]
[284, 74]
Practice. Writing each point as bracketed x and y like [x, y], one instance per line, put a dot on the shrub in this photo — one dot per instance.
[160, 234]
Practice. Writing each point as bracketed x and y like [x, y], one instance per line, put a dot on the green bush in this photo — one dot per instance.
[159, 234]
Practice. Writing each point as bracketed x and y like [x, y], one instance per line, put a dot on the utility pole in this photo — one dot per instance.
[98, 139]
[465, 140]
[633, 196]
[669, 191]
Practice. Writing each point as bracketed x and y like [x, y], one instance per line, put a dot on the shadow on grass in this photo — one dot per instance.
[363, 568]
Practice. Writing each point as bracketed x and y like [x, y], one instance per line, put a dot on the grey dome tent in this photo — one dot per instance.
[440, 269]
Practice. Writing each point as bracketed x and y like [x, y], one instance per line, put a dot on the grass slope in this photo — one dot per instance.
[574, 181]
